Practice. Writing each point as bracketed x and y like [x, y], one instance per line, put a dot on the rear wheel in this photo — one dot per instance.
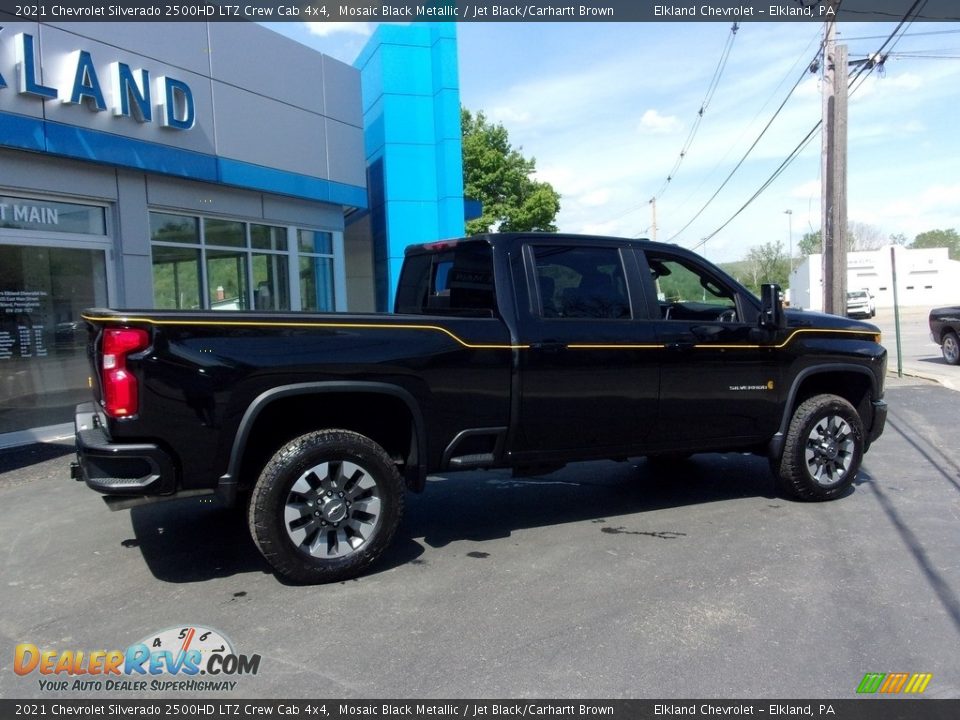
[823, 449]
[950, 347]
[326, 506]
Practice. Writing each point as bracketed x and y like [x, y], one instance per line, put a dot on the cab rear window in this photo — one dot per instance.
[455, 280]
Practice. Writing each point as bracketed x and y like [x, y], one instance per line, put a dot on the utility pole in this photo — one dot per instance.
[653, 223]
[834, 173]
[789, 214]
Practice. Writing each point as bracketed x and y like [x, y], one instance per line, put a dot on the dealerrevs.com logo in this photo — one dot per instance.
[170, 660]
[894, 683]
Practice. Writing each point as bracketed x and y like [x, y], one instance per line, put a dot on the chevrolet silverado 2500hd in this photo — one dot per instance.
[516, 350]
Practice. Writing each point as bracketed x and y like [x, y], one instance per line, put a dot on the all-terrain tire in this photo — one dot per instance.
[326, 506]
[950, 347]
[823, 449]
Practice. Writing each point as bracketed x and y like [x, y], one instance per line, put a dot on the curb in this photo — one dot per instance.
[911, 372]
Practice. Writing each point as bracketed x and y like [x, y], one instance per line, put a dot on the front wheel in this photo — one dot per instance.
[326, 506]
[823, 449]
[950, 348]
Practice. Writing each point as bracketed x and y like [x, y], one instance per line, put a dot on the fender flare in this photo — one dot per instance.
[775, 446]
[227, 484]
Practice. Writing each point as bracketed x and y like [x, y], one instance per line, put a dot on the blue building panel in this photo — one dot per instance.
[100, 147]
[411, 173]
[411, 106]
[71, 141]
[20, 131]
[409, 119]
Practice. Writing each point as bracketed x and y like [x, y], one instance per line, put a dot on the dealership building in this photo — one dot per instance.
[206, 166]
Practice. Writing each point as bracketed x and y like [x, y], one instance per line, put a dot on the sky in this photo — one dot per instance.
[606, 108]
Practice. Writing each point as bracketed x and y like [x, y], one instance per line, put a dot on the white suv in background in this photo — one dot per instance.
[860, 304]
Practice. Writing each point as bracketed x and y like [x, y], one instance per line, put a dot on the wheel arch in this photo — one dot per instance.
[404, 434]
[854, 383]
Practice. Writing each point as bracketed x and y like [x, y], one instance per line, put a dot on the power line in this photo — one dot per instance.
[914, 34]
[768, 182]
[878, 57]
[711, 89]
[707, 98]
[748, 125]
[867, 68]
[752, 146]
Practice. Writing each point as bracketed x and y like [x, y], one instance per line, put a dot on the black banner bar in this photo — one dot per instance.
[874, 708]
[479, 10]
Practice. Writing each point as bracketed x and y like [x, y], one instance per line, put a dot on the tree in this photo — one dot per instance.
[939, 238]
[767, 264]
[860, 236]
[499, 176]
[811, 243]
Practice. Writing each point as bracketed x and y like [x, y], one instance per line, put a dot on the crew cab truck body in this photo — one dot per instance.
[517, 350]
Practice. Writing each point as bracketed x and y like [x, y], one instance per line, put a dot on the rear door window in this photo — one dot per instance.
[581, 282]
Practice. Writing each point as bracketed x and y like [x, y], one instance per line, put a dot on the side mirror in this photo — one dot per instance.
[771, 308]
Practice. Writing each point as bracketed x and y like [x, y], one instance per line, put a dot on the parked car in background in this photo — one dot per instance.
[860, 304]
[944, 330]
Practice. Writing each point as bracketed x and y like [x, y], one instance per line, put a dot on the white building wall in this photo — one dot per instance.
[925, 277]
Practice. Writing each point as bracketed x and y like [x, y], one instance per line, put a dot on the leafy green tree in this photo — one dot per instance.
[939, 238]
[860, 236]
[500, 177]
[767, 263]
[811, 243]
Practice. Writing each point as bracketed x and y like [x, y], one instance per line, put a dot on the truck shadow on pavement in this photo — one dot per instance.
[23, 457]
[482, 506]
[189, 540]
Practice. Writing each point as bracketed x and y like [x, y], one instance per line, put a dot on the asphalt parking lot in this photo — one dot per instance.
[602, 580]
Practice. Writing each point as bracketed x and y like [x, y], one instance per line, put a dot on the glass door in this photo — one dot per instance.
[43, 363]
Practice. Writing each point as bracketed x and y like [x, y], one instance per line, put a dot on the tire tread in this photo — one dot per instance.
[791, 472]
[269, 536]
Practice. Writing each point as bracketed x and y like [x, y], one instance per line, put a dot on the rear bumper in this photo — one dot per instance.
[127, 469]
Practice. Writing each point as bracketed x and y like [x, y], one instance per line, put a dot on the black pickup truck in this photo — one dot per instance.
[523, 351]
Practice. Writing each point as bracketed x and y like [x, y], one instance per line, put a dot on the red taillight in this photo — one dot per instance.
[120, 397]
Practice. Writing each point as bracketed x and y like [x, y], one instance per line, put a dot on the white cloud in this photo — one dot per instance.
[509, 115]
[324, 29]
[595, 198]
[653, 123]
[806, 190]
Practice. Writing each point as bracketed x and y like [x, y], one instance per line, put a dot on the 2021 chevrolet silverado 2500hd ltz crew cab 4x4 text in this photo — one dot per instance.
[516, 350]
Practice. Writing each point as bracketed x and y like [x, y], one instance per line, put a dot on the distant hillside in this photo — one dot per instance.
[738, 269]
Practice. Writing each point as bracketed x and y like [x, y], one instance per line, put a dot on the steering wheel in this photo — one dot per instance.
[727, 316]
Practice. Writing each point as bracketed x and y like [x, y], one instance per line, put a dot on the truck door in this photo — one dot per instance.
[719, 375]
[588, 380]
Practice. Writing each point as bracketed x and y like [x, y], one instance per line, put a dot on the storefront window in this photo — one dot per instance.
[226, 279]
[271, 282]
[312, 241]
[268, 237]
[24, 214]
[174, 229]
[225, 233]
[316, 284]
[43, 362]
[316, 270]
[235, 265]
[176, 278]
